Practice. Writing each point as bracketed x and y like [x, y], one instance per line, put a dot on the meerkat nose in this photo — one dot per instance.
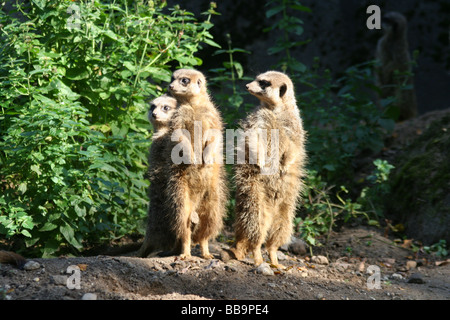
[246, 86]
[171, 87]
[154, 115]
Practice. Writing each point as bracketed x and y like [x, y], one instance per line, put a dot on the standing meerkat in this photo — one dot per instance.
[198, 184]
[394, 71]
[266, 203]
[158, 234]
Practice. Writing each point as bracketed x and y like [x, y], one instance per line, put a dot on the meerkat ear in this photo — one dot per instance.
[283, 90]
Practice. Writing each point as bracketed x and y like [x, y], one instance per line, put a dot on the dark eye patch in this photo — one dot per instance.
[264, 84]
[185, 81]
[152, 107]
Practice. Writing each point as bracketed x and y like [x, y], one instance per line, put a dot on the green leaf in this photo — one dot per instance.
[111, 35]
[239, 69]
[78, 73]
[274, 11]
[40, 3]
[69, 235]
[26, 233]
[130, 66]
[36, 169]
[23, 187]
[103, 166]
[48, 227]
[211, 43]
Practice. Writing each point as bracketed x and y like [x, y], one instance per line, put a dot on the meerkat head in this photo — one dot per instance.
[273, 88]
[394, 23]
[161, 111]
[187, 83]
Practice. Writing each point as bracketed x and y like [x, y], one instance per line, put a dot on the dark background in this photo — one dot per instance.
[339, 37]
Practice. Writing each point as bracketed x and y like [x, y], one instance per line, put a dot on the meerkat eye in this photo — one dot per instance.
[185, 81]
[283, 90]
[166, 108]
[264, 84]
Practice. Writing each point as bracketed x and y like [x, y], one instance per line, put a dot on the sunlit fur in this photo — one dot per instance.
[266, 204]
[194, 187]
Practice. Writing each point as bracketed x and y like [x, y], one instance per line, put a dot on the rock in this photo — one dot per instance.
[341, 266]
[296, 246]
[420, 192]
[320, 260]
[416, 278]
[410, 264]
[213, 264]
[281, 256]
[31, 265]
[264, 269]
[89, 296]
[59, 280]
[396, 276]
[230, 268]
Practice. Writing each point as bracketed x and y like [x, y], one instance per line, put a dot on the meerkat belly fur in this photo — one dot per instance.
[198, 186]
[158, 235]
[266, 203]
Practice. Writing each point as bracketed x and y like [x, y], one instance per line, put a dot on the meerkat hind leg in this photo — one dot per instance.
[185, 229]
[274, 258]
[204, 249]
[257, 255]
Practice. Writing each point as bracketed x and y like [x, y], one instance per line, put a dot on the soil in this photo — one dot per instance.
[350, 254]
[339, 270]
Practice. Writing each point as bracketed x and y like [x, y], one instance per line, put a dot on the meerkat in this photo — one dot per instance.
[393, 70]
[158, 234]
[266, 203]
[199, 184]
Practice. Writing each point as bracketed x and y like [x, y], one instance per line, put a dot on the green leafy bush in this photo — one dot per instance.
[74, 134]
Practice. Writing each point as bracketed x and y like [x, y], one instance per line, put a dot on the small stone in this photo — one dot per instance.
[416, 278]
[411, 264]
[59, 280]
[36, 279]
[281, 256]
[230, 268]
[31, 265]
[319, 296]
[396, 276]
[213, 264]
[264, 269]
[89, 296]
[297, 246]
[320, 260]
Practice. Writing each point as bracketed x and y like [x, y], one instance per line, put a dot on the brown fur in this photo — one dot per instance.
[159, 235]
[196, 187]
[394, 65]
[265, 204]
[9, 257]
